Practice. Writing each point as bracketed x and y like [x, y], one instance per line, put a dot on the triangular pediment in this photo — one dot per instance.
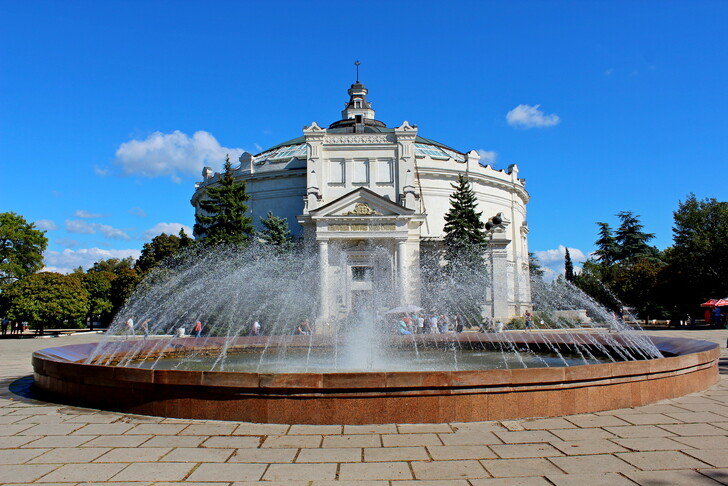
[362, 202]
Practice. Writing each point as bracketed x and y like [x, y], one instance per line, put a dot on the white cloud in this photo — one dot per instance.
[80, 227]
[67, 242]
[111, 232]
[527, 116]
[81, 213]
[137, 211]
[46, 224]
[487, 157]
[173, 154]
[169, 228]
[85, 228]
[100, 172]
[67, 260]
[552, 261]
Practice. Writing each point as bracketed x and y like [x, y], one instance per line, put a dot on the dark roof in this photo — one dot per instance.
[368, 129]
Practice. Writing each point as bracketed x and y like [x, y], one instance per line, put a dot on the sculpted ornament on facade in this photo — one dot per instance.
[356, 139]
[362, 209]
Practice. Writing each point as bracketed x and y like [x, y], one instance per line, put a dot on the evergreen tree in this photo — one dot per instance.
[534, 266]
[223, 216]
[276, 232]
[607, 251]
[184, 240]
[465, 238]
[568, 267]
[466, 274]
[631, 240]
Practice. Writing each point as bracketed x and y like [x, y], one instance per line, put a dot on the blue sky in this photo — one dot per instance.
[109, 110]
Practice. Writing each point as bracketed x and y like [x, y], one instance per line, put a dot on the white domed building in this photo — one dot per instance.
[371, 201]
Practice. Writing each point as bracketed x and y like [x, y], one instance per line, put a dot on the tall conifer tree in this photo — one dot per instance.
[276, 232]
[568, 267]
[466, 274]
[631, 240]
[607, 249]
[224, 217]
[465, 239]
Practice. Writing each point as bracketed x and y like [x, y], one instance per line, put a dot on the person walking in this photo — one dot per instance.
[130, 326]
[5, 323]
[256, 328]
[145, 328]
[198, 329]
[529, 320]
[459, 323]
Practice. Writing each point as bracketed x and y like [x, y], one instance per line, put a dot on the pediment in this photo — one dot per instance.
[363, 203]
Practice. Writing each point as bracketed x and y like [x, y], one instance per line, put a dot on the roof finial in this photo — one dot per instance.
[357, 64]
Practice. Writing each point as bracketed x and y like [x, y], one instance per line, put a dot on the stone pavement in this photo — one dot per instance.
[682, 441]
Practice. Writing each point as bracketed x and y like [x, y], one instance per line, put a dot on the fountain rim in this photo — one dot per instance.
[683, 355]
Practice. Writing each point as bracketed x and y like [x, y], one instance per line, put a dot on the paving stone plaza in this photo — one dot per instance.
[683, 441]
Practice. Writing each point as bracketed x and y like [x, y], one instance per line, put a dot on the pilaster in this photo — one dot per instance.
[314, 136]
[405, 136]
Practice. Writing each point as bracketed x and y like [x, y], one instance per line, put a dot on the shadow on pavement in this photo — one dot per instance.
[723, 366]
[20, 389]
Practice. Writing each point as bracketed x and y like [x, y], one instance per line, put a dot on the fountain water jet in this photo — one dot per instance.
[354, 369]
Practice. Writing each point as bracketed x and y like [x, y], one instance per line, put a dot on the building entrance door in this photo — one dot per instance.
[361, 301]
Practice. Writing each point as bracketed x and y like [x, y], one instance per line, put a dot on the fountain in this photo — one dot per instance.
[354, 367]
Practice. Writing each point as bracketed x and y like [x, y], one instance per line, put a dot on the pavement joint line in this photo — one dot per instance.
[707, 410]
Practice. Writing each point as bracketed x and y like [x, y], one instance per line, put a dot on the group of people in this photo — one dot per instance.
[430, 324]
[12, 328]
[179, 331]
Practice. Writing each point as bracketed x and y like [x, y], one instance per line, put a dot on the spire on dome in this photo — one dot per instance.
[358, 104]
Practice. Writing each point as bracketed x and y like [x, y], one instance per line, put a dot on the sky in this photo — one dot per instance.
[109, 110]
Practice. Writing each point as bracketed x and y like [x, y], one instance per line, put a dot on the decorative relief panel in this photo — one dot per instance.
[358, 138]
[362, 209]
[362, 227]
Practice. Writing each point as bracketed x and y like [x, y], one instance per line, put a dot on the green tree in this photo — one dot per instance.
[113, 265]
[465, 239]
[160, 248]
[534, 266]
[123, 286]
[640, 284]
[184, 240]
[568, 267]
[465, 243]
[47, 299]
[631, 240]
[21, 248]
[276, 232]
[607, 252]
[592, 280]
[223, 215]
[698, 259]
[99, 286]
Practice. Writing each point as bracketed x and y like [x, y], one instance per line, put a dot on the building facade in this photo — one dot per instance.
[371, 200]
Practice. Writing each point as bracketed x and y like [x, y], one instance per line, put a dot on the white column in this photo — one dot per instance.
[500, 284]
[401, 272]
[323, 247]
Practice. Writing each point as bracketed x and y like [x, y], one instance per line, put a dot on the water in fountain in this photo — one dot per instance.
[229, 289]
